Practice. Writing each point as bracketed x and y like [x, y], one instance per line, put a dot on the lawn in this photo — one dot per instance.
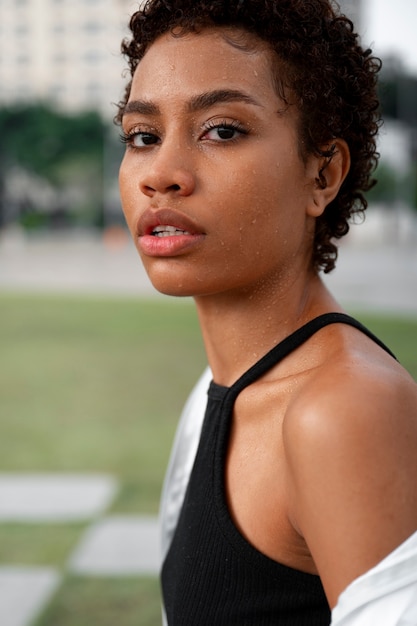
[96, 385]
[104, 602]
[92, 384]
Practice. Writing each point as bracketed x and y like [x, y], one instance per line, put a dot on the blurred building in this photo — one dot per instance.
[65, 52]
[353, 10]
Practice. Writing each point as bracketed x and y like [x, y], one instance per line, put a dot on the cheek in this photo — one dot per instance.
[250, 216]
[246, 180]
[261, 193]
[272, 207]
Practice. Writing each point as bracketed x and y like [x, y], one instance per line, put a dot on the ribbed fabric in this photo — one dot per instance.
[212, 576]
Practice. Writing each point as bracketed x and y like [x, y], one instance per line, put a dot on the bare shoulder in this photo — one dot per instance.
[356, 388]
[359, 386]
[350, 439]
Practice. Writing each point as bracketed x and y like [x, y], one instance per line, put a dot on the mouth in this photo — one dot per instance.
[165, 222]
[164, 230]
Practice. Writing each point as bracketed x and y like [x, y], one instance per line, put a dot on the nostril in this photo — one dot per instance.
[161, 182]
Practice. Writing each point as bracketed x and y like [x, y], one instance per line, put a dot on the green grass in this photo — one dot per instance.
[95, 385]
[38, 544]
[400, 335]
[92, 384]
[104, 602]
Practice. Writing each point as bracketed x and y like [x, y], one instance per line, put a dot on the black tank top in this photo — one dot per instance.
[212, 576]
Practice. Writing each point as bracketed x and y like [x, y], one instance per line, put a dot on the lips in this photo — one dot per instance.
[174, 223]
[167, 233]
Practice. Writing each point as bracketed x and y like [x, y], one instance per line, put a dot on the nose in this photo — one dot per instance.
[169, 170]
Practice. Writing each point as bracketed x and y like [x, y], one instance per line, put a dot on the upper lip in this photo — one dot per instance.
[166, 217]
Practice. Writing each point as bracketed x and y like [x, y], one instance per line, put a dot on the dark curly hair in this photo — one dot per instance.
[331, 78]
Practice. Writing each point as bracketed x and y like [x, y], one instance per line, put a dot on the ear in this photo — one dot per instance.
[330, 172]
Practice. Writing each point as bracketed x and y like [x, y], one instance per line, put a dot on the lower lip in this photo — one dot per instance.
[167, 246]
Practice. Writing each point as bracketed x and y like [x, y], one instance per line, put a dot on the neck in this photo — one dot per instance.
[238, 329]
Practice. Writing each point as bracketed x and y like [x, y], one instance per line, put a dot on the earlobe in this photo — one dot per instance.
[331, 171]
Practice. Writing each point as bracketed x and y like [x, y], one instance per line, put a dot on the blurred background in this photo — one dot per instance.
[94, 365]
[61, 75]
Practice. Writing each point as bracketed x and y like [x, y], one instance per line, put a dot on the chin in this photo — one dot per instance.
[171, 285]
[174, 279]
[174, 292]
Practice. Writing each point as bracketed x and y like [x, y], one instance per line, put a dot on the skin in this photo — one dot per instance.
[321, 462]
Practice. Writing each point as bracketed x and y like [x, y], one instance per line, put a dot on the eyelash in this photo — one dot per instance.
[235, 125]
[127, 138]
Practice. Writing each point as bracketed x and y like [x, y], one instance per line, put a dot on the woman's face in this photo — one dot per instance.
[213, 188]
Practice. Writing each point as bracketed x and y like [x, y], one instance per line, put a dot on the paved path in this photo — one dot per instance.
[112, 545]
[79, 262]
[24, 592]
[368, 275]
[54, 497]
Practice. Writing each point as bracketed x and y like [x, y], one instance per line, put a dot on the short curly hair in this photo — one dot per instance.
[331, 78]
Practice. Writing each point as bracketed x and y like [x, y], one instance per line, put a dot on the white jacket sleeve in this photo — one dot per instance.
[181, 462]
[384, 596]
[182, 458]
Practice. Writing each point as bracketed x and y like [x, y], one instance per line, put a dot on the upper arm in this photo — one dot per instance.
[351, 452]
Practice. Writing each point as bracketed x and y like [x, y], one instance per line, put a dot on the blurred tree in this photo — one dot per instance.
[398, 98]
[398, 93]
[385, 191]
[63, 151]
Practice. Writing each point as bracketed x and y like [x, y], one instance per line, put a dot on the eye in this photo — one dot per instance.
[224, 131]
[139, 139]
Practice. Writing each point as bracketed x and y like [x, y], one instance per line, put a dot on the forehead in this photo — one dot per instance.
[212, 58]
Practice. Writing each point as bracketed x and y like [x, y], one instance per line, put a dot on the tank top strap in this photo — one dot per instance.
[296, 339]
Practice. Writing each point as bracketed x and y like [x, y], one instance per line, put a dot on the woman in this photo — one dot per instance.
[250, 138]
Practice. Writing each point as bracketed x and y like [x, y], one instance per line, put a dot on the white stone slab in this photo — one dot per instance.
[24, 592]
[117, 546]
[54, 497]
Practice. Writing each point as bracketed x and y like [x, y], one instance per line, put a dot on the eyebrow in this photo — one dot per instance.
[210, 98]
[197, 103]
